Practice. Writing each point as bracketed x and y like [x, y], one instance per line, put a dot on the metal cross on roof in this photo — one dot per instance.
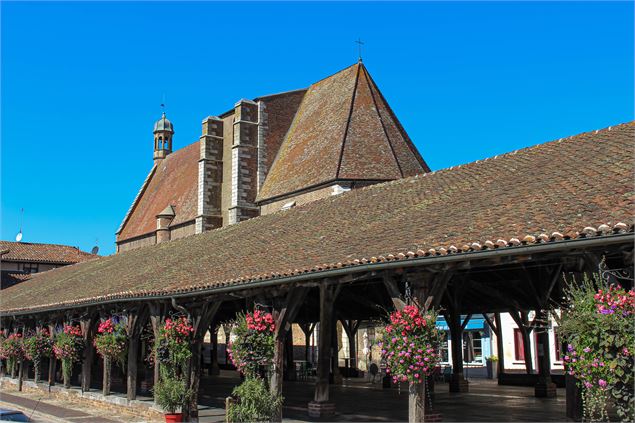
[360, 43]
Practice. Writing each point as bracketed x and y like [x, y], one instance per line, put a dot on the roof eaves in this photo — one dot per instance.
[603, 235]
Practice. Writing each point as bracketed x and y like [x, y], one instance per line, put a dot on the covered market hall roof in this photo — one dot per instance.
[575, 187]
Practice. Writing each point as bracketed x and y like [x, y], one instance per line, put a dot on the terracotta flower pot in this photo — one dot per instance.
[174, 418]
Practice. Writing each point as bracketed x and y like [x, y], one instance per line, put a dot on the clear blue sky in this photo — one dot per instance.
[82, 84]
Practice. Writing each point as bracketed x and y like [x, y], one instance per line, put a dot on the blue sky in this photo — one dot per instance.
[82, 84]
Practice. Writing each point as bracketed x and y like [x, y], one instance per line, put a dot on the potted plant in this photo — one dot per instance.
[492, 367]
[170, 394]
[172, 351]
[252, 353]
[68, 347]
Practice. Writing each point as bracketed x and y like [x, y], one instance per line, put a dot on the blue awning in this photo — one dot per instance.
[475, 323]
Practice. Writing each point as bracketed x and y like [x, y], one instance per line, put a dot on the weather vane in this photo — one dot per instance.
[360, 43]
[163, 103]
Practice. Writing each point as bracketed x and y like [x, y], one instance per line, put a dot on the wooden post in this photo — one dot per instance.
[283, 314]
[416, 402]
[136, 319]
[213, 332]
[275, 381]
[350, 327]
[544, 386]
[106, 379]
[320, 406]
[131, 377]
[89, 328]
[500, 348]
[457, 381]
[520, 317]
[52, 360]
[20, 374]
[156, 319]
[201, 316]
[291, 373]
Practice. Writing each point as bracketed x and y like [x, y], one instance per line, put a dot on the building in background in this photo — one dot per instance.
[18, 260]
[270, 154]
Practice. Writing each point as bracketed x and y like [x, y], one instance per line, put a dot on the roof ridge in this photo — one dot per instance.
[348, 125]
[381, 120]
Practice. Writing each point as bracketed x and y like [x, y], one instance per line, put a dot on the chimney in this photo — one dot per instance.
[163, 224]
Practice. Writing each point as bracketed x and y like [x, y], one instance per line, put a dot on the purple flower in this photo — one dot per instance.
[569, 347]
[587, 349]
[602, 383]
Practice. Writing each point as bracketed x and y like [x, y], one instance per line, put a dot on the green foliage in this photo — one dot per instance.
[36, 347]
[111, 341]
[253, 348]
[599, 326]
[170, 392]
[254, 402]
[172, 347]
[410, 345]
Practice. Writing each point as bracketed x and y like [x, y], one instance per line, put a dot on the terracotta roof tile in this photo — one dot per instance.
[343, 130]
[173, 183]
[557, 188]
[42, 253]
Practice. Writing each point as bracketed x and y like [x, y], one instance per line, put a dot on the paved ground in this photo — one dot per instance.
[356, 400]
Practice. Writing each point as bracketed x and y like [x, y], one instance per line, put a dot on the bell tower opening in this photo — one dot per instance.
[163, 132]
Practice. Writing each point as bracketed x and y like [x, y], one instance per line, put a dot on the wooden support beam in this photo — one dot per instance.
[465, 322]
[393, 290]
[201, 316]
[500, 348]
[493, 327]
[320, 406]
[284, 315]
[52, 359]
[136, 319]
[520, 317]
[157, 316]
[89, 327]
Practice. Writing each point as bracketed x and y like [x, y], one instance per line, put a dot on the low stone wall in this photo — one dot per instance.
[144, 409]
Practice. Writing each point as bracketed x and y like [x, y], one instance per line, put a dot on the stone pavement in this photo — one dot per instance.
[46, 409]
[356, 400]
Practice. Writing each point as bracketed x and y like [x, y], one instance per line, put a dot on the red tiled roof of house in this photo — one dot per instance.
[343, 130]
[173, 182]
[42, 253]
[577, 187]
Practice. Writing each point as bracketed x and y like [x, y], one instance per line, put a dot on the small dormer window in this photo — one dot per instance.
[288, 205]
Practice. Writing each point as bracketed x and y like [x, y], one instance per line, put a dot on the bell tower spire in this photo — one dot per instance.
[163, 132]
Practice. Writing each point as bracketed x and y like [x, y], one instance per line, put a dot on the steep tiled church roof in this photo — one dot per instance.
[527, 196]
[343, 130]
[172, 182]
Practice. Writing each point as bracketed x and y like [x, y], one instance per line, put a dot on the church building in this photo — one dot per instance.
[270, 154]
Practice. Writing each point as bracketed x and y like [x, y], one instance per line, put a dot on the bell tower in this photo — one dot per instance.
[163, 132]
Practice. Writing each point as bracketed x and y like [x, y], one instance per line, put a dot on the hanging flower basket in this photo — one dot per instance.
[252, 350]
[68, 348]
[12, 350]
[410, 345]
[599, 325]
[37, 346]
